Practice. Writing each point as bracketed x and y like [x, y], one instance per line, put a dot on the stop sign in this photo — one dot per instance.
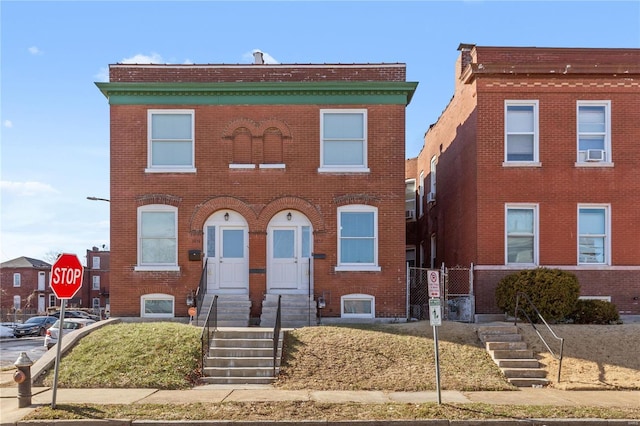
[66, 276]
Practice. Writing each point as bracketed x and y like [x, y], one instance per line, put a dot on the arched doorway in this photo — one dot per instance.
[226, 247]
[289, 247]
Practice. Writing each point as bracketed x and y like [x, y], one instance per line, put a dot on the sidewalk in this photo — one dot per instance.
[11, 414]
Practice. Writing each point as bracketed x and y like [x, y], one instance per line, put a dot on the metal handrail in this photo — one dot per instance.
[561, 339]
[202, 289]
[210, 322]
[276, 335]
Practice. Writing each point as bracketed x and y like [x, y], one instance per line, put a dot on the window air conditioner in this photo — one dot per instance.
[431, 197]
[408, 214]
[595, 155]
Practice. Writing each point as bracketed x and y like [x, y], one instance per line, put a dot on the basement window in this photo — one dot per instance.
[357, 306]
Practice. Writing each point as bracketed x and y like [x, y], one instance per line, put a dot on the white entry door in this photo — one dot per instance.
[284, 259]
[288, 254]
[227, 259]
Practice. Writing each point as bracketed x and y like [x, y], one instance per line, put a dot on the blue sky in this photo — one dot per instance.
[54, 122]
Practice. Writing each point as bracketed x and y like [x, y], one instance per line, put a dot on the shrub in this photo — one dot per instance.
[595, 312]
[553, 291]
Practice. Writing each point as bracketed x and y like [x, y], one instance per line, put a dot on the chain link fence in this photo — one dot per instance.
[456, 293]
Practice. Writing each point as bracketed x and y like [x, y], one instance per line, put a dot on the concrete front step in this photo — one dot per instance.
[494, 346]
[511, 354]
[522, 373]
[241, 356]
[236, 380]
[517, 363]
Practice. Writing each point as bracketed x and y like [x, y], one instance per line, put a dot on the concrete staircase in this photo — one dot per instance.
[241, 356]
[233, 310]
[507, 349]
[296, 311]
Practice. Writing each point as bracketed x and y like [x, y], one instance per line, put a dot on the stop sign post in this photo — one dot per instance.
[65, 281]
[66, 276]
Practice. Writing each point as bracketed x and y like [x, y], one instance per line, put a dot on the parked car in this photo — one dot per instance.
[76, 314]
[69, 324]
[34, 326]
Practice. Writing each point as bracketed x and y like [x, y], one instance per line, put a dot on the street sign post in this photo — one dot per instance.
[435, 317]
[65, 281]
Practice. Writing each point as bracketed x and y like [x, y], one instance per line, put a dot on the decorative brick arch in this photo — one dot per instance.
[265, 125]
[347, 199]
[166, 199]
[257, 129]
[206, 209]
[293, 203]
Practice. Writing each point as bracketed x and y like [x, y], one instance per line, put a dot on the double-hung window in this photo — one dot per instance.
[157, 237]
[95, 283]
[593, 231]
[594, 132]
[171, 142]
[343, 140]
[17, 279]
[521, 132]
[521, 234]
[357, 238]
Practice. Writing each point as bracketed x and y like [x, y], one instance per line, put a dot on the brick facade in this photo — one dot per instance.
[257, 157]
[33, 290]
[475, 183]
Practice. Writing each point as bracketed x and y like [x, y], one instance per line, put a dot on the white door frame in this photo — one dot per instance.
[290, 275]
[228, 275]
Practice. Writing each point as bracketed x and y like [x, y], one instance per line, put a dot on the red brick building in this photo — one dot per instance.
[24, 283]
[94, 293]
[534, 162]
[256, 181]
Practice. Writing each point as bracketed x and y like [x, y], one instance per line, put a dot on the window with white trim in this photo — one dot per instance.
[52, 300]
[157, 306]
[593, 234]
[95, 282]
[410, 198]
[157, 237]
[357, 238]
[343, 140]
[17, 279]
[95, 303]
[434, 161]
[521, 132]
[17, 302]
[521, 240]
[357, 306]
[594, 132]
[421, 194]
[95, 262]
[171, 141]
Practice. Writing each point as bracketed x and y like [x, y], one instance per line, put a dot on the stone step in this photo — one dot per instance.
[241, 342]
[236, 380]
[511, 354]
[239, 372]
[492, 346]
[497, 329]
[253, 333]
[528, 382]
[228, 352]
[524, 373]
[235, 362]
[517, 363]
[484, 338]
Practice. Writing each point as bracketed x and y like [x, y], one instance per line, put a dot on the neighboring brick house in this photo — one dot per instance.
[537, 160]
[95, 287]
[281, 179]
[24, 284]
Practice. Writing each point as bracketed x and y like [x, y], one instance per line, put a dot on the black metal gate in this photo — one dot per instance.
[456, 293]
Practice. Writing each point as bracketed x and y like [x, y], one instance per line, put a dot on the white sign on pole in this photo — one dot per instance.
[435, 312]
[434, 283]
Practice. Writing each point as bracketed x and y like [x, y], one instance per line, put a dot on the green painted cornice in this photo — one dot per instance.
[268, 93]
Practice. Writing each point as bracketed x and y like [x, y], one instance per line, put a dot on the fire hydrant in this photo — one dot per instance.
[22, 377]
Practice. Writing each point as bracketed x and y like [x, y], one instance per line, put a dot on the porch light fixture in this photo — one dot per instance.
[226, 217]
[289, 216]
